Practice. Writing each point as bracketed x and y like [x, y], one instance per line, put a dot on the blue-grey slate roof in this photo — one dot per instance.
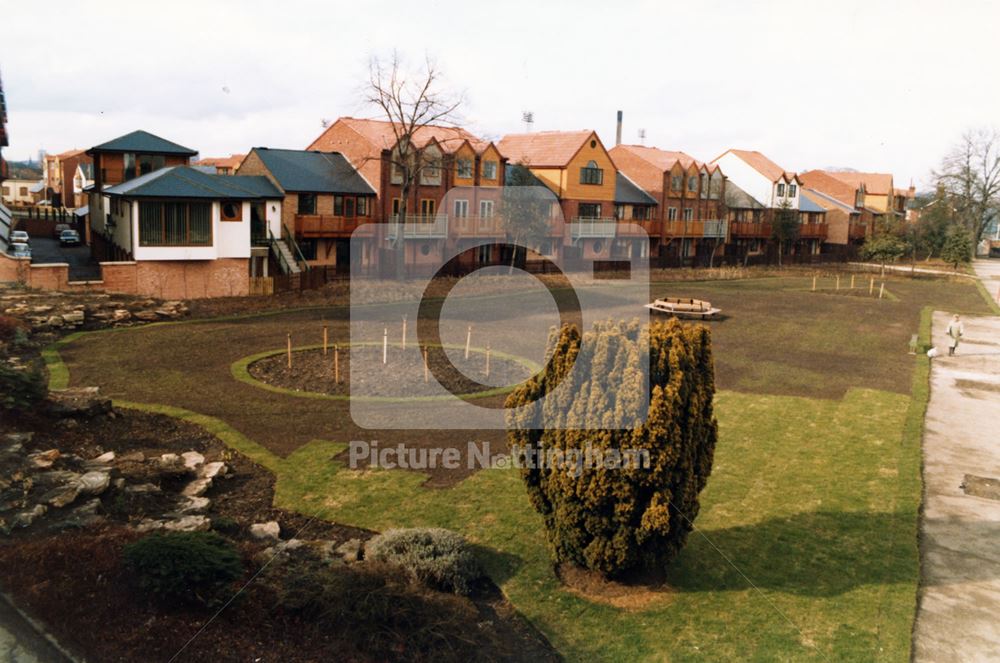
[187, 182]
[628, 192]
[309, 171]
[143, 142]
[806, 205]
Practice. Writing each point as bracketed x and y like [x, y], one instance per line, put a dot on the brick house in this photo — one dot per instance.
[4, 140]
[850, 221]
[222, 165]
[121, 160]
[454, 164]
[324, 200]
[766, 187]
[577, 168]
[689, 194]
[187, 232]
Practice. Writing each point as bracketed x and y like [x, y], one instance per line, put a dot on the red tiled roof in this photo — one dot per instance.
[233, 161]
[379, 135]
[543, 149]
[879, 184]
[825, 182]
[761, 164]
[662, 159]
[69, 153]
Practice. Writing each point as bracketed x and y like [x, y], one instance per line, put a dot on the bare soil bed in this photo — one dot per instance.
[70, 574]
[400, 377]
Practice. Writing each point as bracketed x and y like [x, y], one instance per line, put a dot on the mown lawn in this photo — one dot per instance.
[805, 548]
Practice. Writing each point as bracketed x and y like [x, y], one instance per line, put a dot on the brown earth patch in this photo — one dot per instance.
[401, 376]
[631, 595]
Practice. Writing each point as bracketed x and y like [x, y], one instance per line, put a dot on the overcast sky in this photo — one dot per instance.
[883, 86]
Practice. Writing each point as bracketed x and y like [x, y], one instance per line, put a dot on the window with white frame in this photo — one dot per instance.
[671, 214]
[688, 213]
[485, 209]
[461, 209]
[792, 190]
[781, 189]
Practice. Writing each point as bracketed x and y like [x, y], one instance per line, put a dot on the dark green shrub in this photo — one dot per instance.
[226, 525]
[10, 327]
[634, 515]
[436, 557]
[20, 390]
[197, 567]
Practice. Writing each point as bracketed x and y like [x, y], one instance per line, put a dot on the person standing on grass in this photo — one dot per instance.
[955, 331]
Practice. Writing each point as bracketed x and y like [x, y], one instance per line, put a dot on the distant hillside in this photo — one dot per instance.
[24, 170]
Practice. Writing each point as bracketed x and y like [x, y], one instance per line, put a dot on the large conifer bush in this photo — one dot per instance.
[618, 520]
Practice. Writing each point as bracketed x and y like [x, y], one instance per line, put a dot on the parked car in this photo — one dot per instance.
[20, 250]
[20, 236]
[60, 227]
[69, 238]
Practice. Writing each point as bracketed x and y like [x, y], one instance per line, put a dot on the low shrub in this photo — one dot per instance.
[20, 390]
[189, 567]
[11, 328]
[226, 525]
[436, 557]
[387, 616]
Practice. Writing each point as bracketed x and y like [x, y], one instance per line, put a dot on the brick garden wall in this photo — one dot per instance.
[162, 279]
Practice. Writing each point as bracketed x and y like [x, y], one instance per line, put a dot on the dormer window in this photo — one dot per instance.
[675, 183]
[591, 174]
[463, 169]
[489, 170]
[781, 189]
[792, 190]
[693, 183]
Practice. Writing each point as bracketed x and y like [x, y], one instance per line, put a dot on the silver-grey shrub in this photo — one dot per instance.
[436, 557]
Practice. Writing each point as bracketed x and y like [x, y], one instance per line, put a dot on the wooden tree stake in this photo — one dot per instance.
[289, 351]
[814, 283]
[881, 290]
[426, 371]
[385, 345]
[468, 341]
[852, 281]
[336, 364]
[326, 338]
[404, 332]
[838, 281]
[871, 287]
[487, 360]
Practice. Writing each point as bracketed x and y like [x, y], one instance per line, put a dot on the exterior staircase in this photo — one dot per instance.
[285, 257]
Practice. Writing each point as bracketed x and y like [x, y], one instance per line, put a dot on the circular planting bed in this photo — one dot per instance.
[401, 377]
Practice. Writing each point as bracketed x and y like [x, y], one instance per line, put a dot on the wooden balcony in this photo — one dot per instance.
[813, 231]
[477, 226]
[704, 228]
[630, 227]
[325, 225]
[751, 229]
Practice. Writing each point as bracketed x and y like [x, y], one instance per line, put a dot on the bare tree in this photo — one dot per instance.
[525, 211]
[970, 177]
[411, 100]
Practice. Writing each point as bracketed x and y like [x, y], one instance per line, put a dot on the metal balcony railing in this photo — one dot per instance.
[419, 227]
[602, 227]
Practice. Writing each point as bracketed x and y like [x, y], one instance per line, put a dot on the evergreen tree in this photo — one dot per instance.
[607, 519]
[784, 227]
[957, 248]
